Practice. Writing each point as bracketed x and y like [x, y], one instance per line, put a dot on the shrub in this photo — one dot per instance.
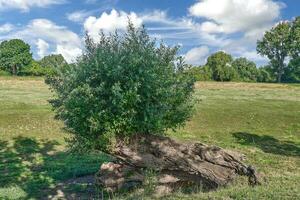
[4, 73]
[121, 86]
[246, 70]
[35, 69]
[202, 73]
[264, 76]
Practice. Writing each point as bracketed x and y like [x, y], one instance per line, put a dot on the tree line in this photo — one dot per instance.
[281, 45]
[16, 59]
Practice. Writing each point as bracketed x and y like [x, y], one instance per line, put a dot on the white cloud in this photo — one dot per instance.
[197, 56]
[109, 22]
[25, 5]
[78, 16]
[229, 16]
[69, 52]
[42, 47]
[59, 38]
[253, 56]
[5, 28]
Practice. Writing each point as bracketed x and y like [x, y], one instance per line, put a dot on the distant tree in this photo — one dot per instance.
[122, 86]
[53, 61]
[276, 46]
[292, 71]
[265, 74]
[245, 69]
[220, 64]
[295, 38]
[14, 55]
[201, 73]
[35, 69]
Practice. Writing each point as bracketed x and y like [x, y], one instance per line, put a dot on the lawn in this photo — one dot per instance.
[260, 120]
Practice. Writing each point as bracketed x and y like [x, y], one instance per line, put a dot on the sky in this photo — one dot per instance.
[200, 27]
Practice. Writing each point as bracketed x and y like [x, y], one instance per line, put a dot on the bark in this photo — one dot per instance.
[14, 70]
[182, 163]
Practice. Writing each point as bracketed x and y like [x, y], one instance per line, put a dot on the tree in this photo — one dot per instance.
[292, 71]
[220, 64]
[53, 61]
[276, 46]
[35, 69]
[122, 86]
[245, 69]
[14, 55]
[295, 38]
[265, 74]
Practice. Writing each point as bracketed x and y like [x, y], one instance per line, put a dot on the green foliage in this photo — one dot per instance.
[295, 38]
[35, 69]
[220, 65]
[201, 73]
[292, 72]
[53, 61]
[14, 56]
[264, 76]
[4, 73]
[122, 85]
[245, 69]
[278, 43]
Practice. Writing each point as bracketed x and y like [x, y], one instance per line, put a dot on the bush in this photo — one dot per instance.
[246, 70]
[121, 86]
[202, 73]
[35, 69]
[4, 73]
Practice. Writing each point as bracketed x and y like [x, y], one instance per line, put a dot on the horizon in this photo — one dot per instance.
[200, 27]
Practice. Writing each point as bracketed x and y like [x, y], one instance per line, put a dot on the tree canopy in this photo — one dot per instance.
[276, 45]
[122, 85]
[246, 69]
[53, 61]
[220, 65]
[14, 55]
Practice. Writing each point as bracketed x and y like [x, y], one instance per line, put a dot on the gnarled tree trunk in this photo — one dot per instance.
[176, 163]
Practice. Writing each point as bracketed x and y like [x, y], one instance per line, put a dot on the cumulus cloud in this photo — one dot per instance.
[25, 5]
[197, 56]
[5, 28]
[78, 16]
[229, 16]
[58, 38]
[42, 47]
[109, 22]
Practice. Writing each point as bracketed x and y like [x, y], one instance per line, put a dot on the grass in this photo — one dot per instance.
[260, 120]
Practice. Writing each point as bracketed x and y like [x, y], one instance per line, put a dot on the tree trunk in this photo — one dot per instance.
[280, 70]
[14, 70]
[175, 163]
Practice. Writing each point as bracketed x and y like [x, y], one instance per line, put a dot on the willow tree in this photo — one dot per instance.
[124, 84]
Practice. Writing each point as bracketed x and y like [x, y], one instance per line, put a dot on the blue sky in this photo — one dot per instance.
[201, 27]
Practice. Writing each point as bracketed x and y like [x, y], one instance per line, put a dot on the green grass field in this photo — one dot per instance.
[260, 120]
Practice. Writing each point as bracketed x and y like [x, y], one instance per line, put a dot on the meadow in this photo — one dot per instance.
[259, 120]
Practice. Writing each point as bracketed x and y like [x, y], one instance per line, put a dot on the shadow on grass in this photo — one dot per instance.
[268, 144]
[42, 173]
